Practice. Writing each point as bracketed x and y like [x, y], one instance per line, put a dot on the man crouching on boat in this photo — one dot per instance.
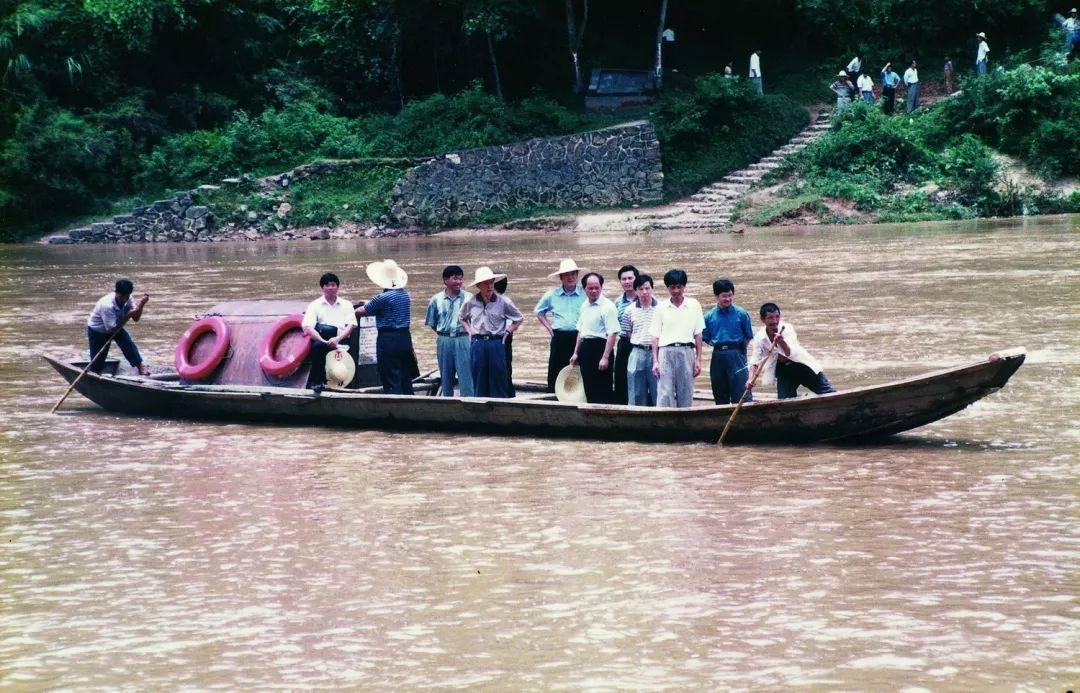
[328, 322]
[789, 364]
[490, 318]
[106, 322]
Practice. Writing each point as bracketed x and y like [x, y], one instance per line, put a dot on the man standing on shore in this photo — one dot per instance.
[949, 88]
[982, 54]
[107, 318]
[755, 72]
[563, 305]
[627, 275]
[597, 326]
[911, 81]
[452, 341]
[889, 80]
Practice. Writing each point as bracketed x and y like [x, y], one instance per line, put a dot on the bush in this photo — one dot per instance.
[969, 169]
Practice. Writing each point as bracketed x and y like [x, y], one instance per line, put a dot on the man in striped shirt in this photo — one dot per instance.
[394, 354]
[635, 320]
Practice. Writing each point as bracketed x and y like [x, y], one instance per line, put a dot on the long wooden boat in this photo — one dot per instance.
[860, 413]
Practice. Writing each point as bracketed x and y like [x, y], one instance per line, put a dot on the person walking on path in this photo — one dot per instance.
[982, 54]
[889, 80]
[949, 87]
[911, 81]
[843, 89]
[452, 340]
[598, 326]
[489, 317]
[755, 72]
[676, 329]
[108, 317]
[394, 355]
[1071, 27]
[558, 310]
[866, 88]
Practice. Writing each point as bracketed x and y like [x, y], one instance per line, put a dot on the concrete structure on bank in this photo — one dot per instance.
[603, 168]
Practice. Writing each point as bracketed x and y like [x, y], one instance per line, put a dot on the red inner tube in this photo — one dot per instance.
[203, 369]
[285, 366]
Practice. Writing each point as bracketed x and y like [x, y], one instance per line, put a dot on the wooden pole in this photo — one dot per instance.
[750, 385]
[75, 382]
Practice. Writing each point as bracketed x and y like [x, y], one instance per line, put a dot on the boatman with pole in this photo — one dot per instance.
[558, 312]
[106, 323]
[490, 318]
[394, 354]
[790, 365]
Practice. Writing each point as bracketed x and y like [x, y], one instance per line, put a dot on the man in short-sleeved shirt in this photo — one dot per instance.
[328, 322]
[598, 326]
[490, 318]
[452, 340]
[627, 275]
[676, 331]
[394, 354]
[106, 318]
[558, 310]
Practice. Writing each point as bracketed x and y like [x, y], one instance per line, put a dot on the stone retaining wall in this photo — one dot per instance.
[603, 168]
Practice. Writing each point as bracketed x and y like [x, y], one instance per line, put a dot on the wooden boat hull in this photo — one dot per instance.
[865, 412]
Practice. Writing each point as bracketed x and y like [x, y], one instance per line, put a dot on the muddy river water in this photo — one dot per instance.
[146, 554]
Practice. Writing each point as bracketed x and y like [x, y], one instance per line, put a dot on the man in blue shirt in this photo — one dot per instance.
[452, 341]
[394, 354]
[627, 275]
[889, 80]
[728, 331]
[558, 312]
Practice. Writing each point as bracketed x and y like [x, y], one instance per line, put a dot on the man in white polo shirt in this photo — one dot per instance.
[676, 343]
[597, 328]
[328, 321]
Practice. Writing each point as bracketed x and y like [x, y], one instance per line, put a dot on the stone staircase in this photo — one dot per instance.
[710, 208]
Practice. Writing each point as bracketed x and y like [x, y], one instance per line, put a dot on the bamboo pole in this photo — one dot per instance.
[750, 385]
[94, 358]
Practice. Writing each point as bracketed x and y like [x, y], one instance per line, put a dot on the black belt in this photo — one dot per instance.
[594, 339]
[393, 329]
[487, 336]
[642, 346]
[565, 331]
[678, 344]
[730, 346]
[450, 334]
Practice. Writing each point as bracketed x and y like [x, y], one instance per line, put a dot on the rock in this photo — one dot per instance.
[252, 235]
[60, 240]
[208, 188]
[252, 216]
[283, 210]
[196, 212]
[162, 206]
[230, 181]
[320, 234]
[124, 219]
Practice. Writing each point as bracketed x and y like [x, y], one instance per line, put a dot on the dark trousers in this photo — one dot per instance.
[562, 348]
[319, 350]
[509, 344]
[396, 361]
[888, 95]
[727, 371]
[488, 358]
[622, 359]
[597, 382]
[123, 340]
[790, 375]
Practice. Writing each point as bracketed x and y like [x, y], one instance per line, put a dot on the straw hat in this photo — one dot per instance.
[565, 266]
[484, 274]
[340, 368]
[981, 35]
[569, 387]
[387, 275]
[841, 73]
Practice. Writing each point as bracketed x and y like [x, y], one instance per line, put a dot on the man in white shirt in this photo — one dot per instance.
[911, 81]
[982, 54]
[755, 71]
[866, 88]
[676, 330]
[106, 322]
[328, 322]
[789, 364]
[855, 66]
[597, 328]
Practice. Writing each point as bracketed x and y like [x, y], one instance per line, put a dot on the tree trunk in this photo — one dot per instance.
[658, 66]
[575, 34]
[494, 65]
[395, 67]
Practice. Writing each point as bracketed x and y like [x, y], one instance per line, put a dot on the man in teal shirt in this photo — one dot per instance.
[558, 312]
[452, 342]
[728, 332]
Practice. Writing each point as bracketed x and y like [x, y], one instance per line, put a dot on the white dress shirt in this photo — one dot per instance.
[598, 319]
[677, 324]
[760, 346]
[755, 65]
[339, 315]
[911, 76]
[865, 83]
[854, 66]
[984, 50]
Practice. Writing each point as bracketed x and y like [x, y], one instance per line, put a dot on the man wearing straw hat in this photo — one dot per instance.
[563, 303]
[452, 342]
[982, 54]
[490, 318]
[328, 322]
[394, 354]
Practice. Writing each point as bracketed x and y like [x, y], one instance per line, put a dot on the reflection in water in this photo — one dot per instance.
[199, 554]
